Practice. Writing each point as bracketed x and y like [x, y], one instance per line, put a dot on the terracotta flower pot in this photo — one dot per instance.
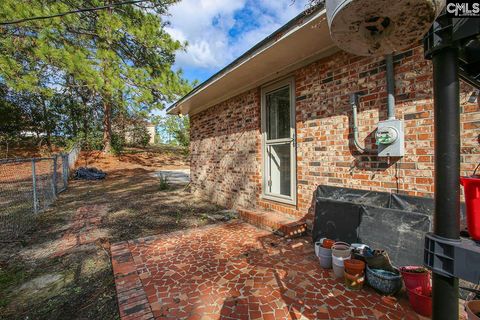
[473, 309]
[354, 266]
[328, 243]
[354, 282]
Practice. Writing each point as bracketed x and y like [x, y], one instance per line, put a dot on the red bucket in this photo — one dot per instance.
[414, 279]
[421, 301]
[471, 186]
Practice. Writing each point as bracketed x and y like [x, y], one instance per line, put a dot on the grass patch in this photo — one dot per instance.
[10, 278]
[163, 183]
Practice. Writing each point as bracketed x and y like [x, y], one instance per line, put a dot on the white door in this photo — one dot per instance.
[278, 131]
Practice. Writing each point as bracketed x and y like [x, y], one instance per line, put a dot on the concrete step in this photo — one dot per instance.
[279, 223]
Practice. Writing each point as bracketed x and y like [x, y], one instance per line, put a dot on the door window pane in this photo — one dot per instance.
[278, 114]
[280, 170]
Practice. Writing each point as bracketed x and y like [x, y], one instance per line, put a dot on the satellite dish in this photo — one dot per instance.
[380, 27]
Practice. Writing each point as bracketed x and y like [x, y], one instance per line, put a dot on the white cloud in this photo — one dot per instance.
[207, 26]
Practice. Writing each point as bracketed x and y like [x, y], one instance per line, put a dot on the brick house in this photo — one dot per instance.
[277, 122]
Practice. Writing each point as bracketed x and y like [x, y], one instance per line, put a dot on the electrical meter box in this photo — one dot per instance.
[390, 138]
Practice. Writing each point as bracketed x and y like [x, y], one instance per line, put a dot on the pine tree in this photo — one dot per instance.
[122, 54]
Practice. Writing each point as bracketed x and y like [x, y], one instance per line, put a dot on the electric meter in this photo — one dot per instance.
[390, 138]
[386, 135]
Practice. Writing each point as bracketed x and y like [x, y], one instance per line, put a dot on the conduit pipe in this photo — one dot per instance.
[390, 87]
[354, 104]
[390, 103]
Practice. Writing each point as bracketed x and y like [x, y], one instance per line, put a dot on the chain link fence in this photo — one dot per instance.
[29, 186]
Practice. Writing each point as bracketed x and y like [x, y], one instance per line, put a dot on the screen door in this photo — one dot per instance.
[278, 124]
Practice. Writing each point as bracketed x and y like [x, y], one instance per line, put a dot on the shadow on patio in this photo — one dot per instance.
[236, 271]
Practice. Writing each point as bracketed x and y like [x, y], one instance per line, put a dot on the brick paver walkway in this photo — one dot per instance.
[235, 271]
[83, 230]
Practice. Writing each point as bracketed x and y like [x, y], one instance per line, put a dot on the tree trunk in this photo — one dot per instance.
[85, 125]
[49, 141]
[107, 102]
[85, 118]
[73, 119]
[47, 127]
[107, 127]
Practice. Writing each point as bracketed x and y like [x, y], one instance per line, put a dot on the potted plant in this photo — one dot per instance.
[416, 276]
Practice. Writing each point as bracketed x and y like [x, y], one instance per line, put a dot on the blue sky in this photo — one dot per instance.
[219, 31]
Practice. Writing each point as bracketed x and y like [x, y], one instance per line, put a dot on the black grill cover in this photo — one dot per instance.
[393, 222]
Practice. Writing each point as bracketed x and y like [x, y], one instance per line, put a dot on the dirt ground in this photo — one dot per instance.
[27, 149]
[61, 269]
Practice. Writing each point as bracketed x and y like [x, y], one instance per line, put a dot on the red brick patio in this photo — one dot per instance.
[235, 271]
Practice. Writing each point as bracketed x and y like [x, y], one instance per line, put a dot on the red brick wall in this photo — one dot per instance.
[226, 156]
[225, 151]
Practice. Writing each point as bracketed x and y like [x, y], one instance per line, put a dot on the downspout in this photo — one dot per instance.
[390, 103]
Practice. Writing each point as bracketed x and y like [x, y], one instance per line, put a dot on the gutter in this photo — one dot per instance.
[274, 37]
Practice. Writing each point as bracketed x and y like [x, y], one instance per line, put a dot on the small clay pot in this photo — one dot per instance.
[328, 243]
[473, 309]
[354, 282]
[354, 266]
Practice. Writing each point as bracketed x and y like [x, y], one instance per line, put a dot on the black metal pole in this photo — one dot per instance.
[447, 171]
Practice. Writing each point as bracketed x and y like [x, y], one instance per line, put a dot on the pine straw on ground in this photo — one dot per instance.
[40, 279]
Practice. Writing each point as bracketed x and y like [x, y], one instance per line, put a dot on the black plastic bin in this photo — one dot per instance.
[393, 222]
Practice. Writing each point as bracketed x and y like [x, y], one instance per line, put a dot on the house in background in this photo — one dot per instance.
[277, 122]
[152, 132]
[137, 132]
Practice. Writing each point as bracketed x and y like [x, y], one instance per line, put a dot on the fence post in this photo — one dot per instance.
[54, 177]
[34, 186]
[67, 166]
[63, 172]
